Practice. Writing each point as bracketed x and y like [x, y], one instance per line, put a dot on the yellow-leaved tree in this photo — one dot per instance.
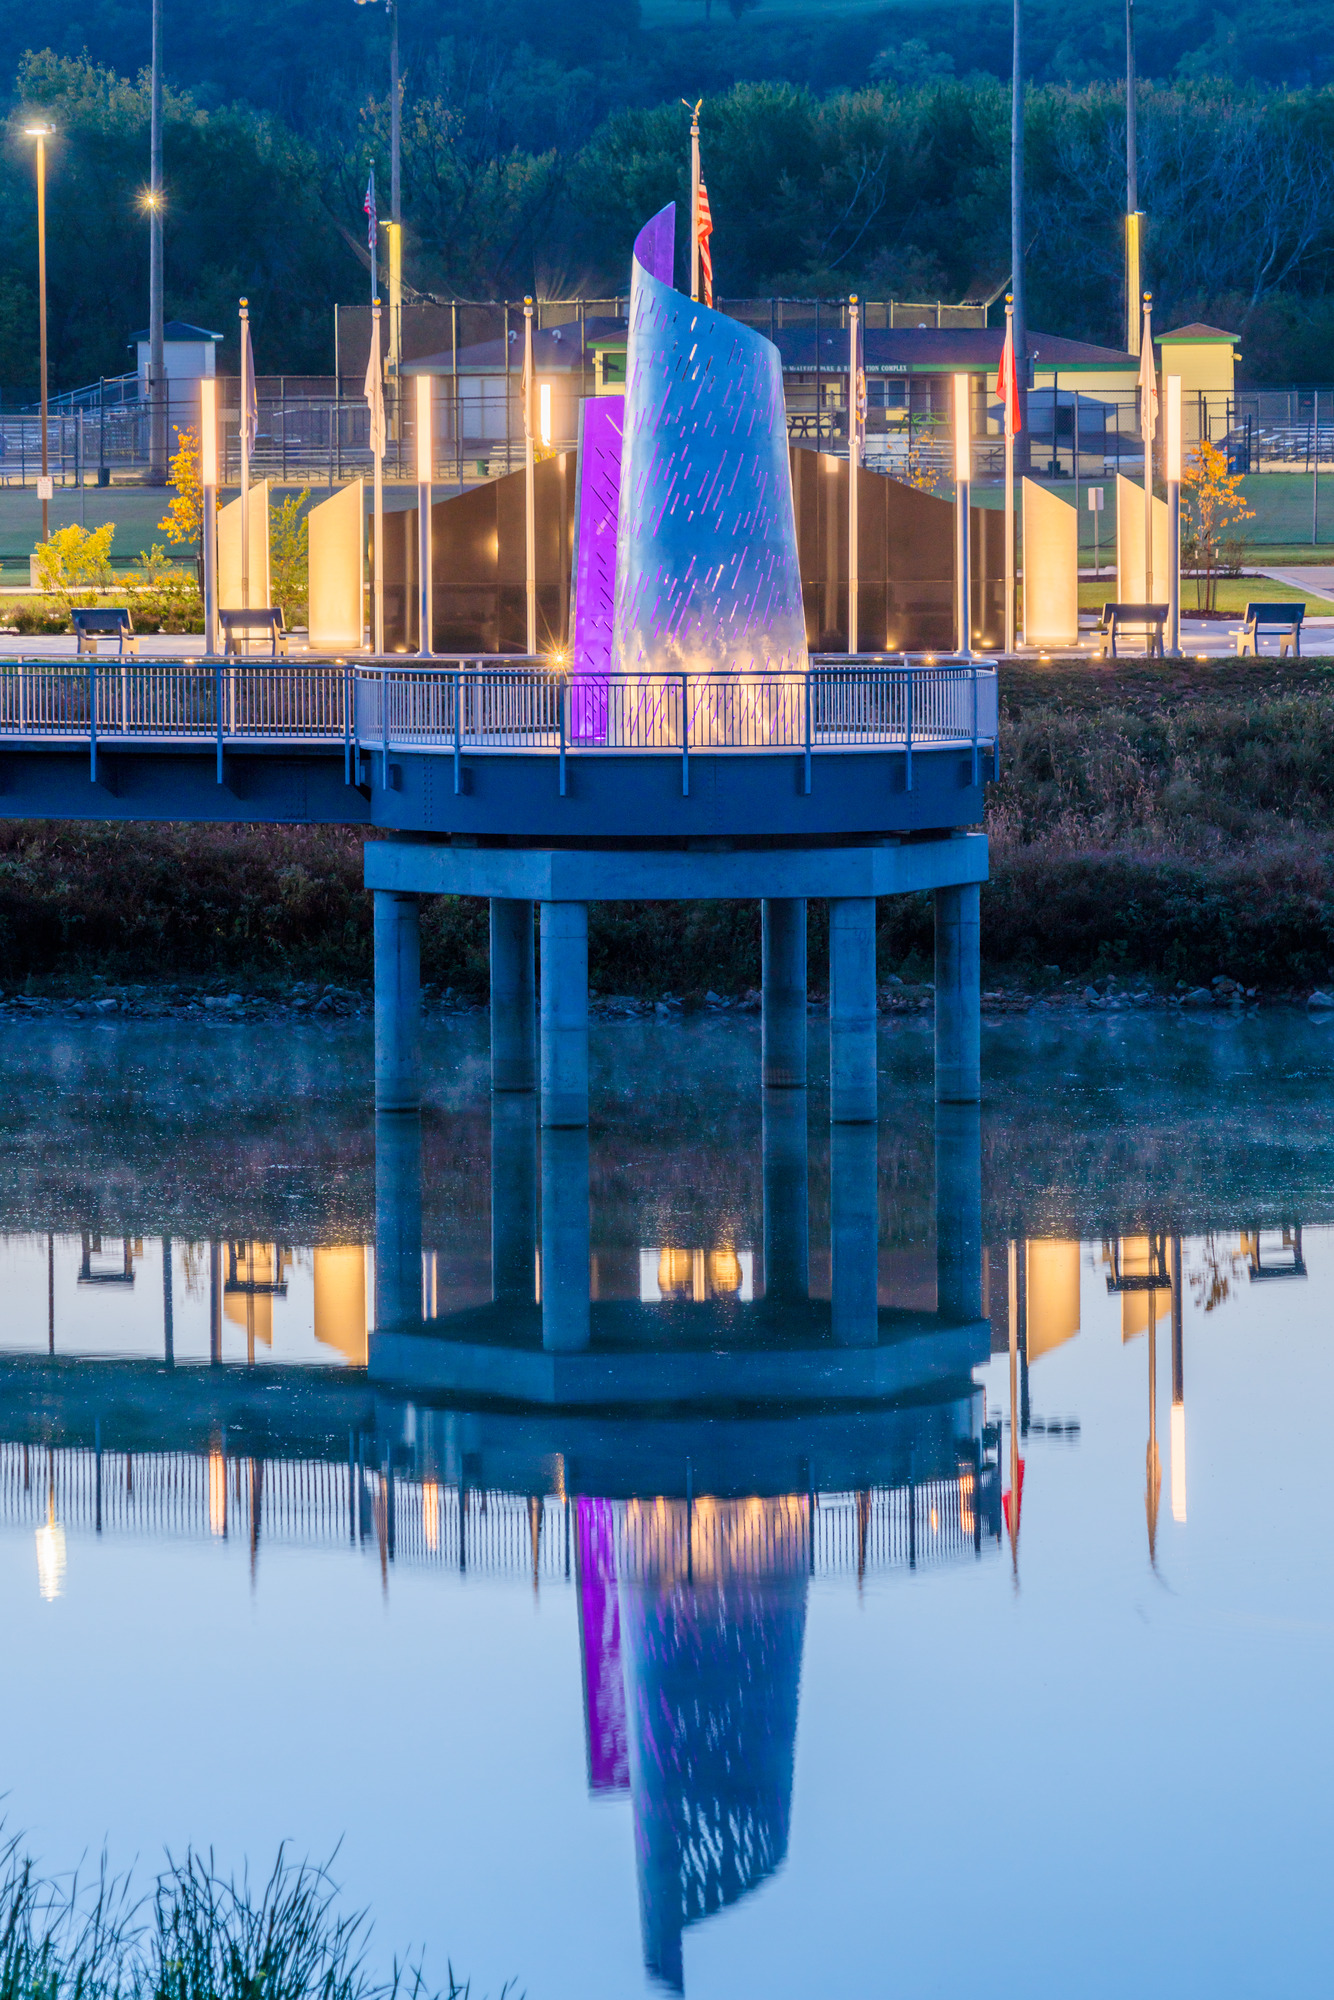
[1215, 504]
[184, 518]
[73, 561]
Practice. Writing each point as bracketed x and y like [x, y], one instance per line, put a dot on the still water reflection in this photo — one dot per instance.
[622, 1542]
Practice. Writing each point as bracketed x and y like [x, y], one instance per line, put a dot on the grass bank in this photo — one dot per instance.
[1173, 819]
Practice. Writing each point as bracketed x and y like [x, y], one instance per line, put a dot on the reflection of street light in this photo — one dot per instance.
[41, 133]
[50, 1549]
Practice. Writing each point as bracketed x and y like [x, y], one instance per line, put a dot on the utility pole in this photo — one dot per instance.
[41, 133]
[157, 383]
[1132, 193]
[1017, 287]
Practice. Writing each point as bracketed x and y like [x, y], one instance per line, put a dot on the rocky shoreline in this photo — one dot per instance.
[309, 1000]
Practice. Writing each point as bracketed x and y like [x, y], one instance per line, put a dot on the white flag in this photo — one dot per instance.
[374, 392]
[250, 415]
[1148, 383]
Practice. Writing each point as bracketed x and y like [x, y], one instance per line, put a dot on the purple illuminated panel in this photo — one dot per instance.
[600, 1634]
[595, 566]
[707, 577]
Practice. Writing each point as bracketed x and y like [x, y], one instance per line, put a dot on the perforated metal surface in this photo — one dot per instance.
[707, 578]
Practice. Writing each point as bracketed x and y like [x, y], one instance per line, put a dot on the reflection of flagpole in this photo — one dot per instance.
[375, 398]
[1153, 1475]
[1178, 1391]
[854, 462]
[529, 477]
[1014, 1498]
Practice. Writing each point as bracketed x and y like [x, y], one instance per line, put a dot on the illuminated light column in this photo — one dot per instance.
[208, 482]
[425, 469]
[1148, 423]
[1009, 398]
[529, 484]
[854, 463]
[1173, 469]
[963, 472]
[1178, 1391]
[245, 454]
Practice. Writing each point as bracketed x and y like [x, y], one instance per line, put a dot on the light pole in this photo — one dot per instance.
[395, 209]
[157, 383]
[963, 473]
[41, 133]
[391, 9]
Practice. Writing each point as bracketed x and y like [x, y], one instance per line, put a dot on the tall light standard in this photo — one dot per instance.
[395, 204]
[41, 133]
[157, 382]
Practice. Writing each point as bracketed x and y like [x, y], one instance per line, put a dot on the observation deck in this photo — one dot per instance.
[505, 748]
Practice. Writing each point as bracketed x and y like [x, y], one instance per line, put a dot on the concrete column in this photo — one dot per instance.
[398, 1219]
[513, 1198]
[513, 1052]
[566, 1321]
[786, 1196]
[397, 1002]
[783, 981]
[564, 1014]
[958, 996]
[959, 1212]
[852, 1092]
[854, 1234]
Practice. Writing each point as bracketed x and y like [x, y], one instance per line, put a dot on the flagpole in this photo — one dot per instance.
[425, 540]
[963, 473]
[529, 481]
[1008, 402]
[854, 466]
[245, 454]
[377, 586]
[1146, 421]
[694, 203]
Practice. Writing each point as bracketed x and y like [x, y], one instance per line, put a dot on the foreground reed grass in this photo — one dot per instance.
[196, 1936]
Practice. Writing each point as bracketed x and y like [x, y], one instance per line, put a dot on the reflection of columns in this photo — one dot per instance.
[398, 1219]
[513, 1066]
[852, 1092]
[958, 996]
[786, 1208]
[565, 1013]
[397, 1002]
[215, 1302]
[959, 1212]
[513, 1197]
[168, 1317]
[565, 1238]
[854, 1234]
[783, 985]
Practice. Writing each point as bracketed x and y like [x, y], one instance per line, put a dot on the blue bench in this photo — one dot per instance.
[1285, 619]
[1147, 618]
[104, 621]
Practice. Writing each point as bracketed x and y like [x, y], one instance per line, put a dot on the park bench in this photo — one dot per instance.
[263, 621]
[104, 621]
[1119, 618]
[1285, 619]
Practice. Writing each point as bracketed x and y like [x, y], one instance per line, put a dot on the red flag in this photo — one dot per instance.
[703, 231]
[1017, 1489]
[1007, 383]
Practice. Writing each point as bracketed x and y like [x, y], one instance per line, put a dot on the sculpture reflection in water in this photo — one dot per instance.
[694, 1455]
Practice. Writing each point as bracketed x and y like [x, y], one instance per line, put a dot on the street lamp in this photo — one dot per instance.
[395, 208]
[41, 133]
[391, 9]
[157, 373]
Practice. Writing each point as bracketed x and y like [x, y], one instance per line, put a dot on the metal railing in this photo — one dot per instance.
[451, 705]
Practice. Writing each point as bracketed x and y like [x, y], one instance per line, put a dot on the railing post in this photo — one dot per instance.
[685, 736]
[384, 728]
[974, 725]
[907, 729]
[217, 710]
[458, 731]
[560, 705]
[808, 730]
[347, 725]
[92, 720]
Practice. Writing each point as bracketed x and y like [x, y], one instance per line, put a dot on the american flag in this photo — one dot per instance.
[372, 230]
[1148, 384]
[703, 231]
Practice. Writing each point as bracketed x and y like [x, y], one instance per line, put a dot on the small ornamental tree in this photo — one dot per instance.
[74, 561]
[289, 555]
[184, 519]
[1215, 503]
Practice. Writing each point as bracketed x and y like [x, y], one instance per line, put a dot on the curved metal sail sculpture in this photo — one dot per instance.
[707, 579]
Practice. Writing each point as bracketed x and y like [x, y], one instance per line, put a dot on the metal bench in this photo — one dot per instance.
[264, 621]
[1117, 618]
[104, 621]
[1285, 619]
